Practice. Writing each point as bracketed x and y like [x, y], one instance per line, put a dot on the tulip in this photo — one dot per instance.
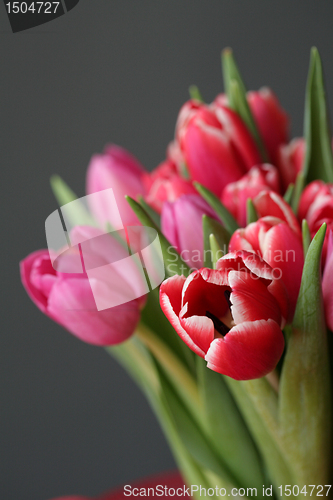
[119, 170]
[271, 119]
[65, 294]
[236, 194]
[269, 203]
[316, 206]
[231, 316]
[289, 160]
[215, 144]
[279, 246]
[327, 282]
[165, 184]
[181, 223]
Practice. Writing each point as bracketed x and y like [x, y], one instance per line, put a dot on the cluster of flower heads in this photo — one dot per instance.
[232, 315]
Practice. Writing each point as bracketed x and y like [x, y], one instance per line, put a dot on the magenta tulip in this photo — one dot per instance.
[236, 194]
[119, 170]
[66, 294]
[181, 223]
[231, 316]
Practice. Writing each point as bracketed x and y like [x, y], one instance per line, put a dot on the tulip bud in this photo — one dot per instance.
[181, 223]
[236, 194]
[271, 119]
[119, 170]
[230, 316]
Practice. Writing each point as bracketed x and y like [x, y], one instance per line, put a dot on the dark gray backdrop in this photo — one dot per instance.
[71, 419]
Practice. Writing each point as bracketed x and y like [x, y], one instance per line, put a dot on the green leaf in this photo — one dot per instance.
[201, 449]
[318, 162]
[195, 93]
[216, 250]
[299, 186]
[258, 405]
[251, 213]
[305, 397]
[306, 236]
[222, 212]
[78, 215]
[226, 427]
[289, 193]
[150, 211]
[139, 363]
[211, 226]
[180, 378]
[172, 261]
[236, 92]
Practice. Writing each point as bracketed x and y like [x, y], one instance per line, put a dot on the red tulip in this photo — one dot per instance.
[235, 194]
[289, 160]
[230, 316]
[66, 294]
[215, 144]
[271, 119]
[165, 184]
[116, 168]
[279, 246]
[181, 223]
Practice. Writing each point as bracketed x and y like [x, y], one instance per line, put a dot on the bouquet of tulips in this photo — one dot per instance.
[231, 341]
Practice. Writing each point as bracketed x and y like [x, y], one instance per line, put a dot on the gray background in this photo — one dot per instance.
[71, 419]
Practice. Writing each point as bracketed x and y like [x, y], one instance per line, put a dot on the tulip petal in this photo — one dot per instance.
[251, 300]
[71, 303]
[270, 203]
[170, 300]
[250, 350]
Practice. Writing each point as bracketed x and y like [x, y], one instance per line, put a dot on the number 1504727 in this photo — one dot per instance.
[311, 490]
[32, 7]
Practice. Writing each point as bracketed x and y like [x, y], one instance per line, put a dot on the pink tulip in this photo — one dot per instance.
[181, 223]
[215, 144]
[119, 170]
[230, 316]
[68, 297]
[236, 194]
[279, 246]
[289, 160]
[271, 119]
[269, 203]
[165, 184]
[327, 281]
[316, 206]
